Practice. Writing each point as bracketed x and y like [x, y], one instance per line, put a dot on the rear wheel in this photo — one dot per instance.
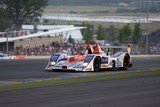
[126, 62]
[97, 63]
[113, 64]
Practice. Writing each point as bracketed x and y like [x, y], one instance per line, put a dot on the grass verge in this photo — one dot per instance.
[53, 82]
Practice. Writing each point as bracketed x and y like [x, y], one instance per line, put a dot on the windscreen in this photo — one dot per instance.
[54, 57]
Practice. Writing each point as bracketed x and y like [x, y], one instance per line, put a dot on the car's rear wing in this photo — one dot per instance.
[128, 47]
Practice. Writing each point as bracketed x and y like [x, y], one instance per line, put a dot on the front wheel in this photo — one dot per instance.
[97, 63]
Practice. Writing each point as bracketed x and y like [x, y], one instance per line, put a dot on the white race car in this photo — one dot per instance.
[5, 56]
[94, 60]
[99, 60]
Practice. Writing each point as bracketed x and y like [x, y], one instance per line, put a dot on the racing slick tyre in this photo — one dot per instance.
[126, 62]
[97, 63]
[113, 64]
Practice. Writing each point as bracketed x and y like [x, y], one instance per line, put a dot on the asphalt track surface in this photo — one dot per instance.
[130, 92]
[34, 68]
[133, 92]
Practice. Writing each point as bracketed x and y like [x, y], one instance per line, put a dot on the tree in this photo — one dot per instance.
[136, 33]
[88, 35]
[112, 33]
[20, 11]
[125, 34]
[4, 20]
[101, 32]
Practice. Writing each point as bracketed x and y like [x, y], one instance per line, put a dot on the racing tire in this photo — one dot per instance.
[113, 64]
[97, 64]
[126, 63]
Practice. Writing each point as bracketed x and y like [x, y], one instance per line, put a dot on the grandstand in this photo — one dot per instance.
[33, 36]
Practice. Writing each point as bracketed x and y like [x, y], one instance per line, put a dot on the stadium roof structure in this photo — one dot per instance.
[40, 34]
[44, 27]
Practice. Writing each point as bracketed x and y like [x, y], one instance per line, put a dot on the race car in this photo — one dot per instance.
[99, 60]
[5, 56]
[95, 59]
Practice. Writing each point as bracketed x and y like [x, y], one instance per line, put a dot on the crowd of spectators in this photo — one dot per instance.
[72, 48]
[154, 42]
[54, 47]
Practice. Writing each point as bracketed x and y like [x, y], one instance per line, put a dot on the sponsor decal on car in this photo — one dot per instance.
[104, 65]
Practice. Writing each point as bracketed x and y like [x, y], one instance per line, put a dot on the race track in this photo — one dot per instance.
[129, 92]
[133, 92]
[34, 68]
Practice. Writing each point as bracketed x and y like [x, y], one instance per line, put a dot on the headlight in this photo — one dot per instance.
[85, 64]
[52, 63]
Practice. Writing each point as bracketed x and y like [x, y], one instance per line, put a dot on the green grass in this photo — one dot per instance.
[55, 82]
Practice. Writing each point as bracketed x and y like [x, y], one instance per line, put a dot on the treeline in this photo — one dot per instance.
[113, 35]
